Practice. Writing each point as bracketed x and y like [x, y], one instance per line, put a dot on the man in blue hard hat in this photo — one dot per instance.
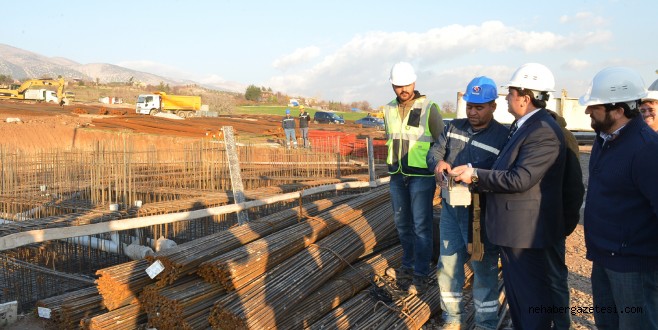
[288, 124]
[524, 191]
[474, 141]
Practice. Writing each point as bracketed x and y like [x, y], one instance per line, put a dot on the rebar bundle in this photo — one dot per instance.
[409, 313]
[185, 304]
[67, 310]
[119, 285]
[347, 314]
[264, 301]
[364, 311]
[125, 318]
[186, 257]
[238, 267]
[340, 288]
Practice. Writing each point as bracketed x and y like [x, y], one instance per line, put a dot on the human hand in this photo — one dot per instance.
[441, 168]
[462, 173]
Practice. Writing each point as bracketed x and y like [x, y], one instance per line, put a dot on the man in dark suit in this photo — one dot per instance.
[524, 209]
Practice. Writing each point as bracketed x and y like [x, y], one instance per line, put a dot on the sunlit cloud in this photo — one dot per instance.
[584, 19]
[358, 70]
[576, 64]
[298, 56]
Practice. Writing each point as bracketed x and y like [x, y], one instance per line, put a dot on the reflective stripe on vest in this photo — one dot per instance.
[477, 144]
[408, 142]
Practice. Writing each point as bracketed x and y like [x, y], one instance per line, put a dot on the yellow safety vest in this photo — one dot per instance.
[409, 138]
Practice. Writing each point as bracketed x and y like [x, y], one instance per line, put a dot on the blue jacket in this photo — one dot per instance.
[459, 145]
[621, 207]
[288, 122]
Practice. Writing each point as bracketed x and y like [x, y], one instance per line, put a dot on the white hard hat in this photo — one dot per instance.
[402, 74]
[654, 86]
[652, 95]
[612, 85]
[533, 76]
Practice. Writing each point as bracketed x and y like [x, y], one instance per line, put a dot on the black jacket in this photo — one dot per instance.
[573, 188]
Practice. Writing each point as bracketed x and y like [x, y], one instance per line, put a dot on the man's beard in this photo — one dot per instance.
[605, 125]
[404, 96]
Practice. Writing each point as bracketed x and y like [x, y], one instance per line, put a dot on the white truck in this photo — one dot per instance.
[182, 105]
[41, 95]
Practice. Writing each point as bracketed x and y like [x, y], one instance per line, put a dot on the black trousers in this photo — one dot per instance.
[527, 287]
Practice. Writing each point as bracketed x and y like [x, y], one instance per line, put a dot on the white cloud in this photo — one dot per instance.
[584, 19]
[576, 64]
[300, 55]
[359, 69]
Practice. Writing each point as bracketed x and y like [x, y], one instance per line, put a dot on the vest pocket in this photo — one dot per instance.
[414, 118]
[417, 156]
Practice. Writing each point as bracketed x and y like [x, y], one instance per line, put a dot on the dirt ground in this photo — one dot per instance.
[44, 127]
[40, 126]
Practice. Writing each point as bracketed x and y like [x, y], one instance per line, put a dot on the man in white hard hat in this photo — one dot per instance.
[621, 210]
[524, 211]
[413, 124]
[649, 107]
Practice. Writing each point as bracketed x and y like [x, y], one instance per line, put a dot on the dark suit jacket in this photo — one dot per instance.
[524, 186]
[573, 188]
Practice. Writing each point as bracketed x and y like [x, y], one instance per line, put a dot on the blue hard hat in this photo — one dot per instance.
[287, 111]
[481, 90]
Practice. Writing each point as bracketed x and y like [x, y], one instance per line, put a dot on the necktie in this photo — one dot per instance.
[512, 130]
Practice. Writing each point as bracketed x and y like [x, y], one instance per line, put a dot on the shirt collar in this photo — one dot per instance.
[525, 117]
[610, 136]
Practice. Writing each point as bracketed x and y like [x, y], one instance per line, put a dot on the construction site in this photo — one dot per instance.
[113, 220]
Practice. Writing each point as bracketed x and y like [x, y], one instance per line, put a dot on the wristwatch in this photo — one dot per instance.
[474, 176]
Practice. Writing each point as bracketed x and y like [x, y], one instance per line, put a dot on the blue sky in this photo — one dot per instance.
[343, 50]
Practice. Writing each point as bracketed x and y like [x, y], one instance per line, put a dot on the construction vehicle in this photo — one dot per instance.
[182, 105]
[41, 95]
[70, 96]
[376, 114]
[17, 92]
[379, 113]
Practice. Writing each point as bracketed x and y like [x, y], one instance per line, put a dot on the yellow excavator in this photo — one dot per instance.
[377, 113]
[17, 92]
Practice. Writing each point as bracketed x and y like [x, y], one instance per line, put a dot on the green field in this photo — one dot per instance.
[294, 111]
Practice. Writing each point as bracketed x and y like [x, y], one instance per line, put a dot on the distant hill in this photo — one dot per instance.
[21, 64]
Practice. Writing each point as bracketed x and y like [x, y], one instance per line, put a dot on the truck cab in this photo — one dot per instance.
[148, 104]
[41, 95]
